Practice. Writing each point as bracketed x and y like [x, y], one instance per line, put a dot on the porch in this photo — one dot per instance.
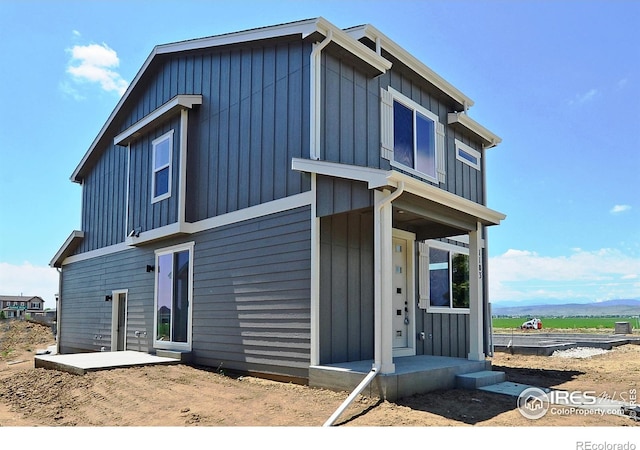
[413, 375]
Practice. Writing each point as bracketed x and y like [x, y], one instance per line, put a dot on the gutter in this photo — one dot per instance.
[377, 362]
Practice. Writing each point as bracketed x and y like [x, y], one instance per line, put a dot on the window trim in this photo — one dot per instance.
[387, 97]
[451, 248]
[171, 345]
[462, 147]
[154, 170]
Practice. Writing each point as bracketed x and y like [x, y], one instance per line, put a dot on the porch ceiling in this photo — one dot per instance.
[428, 219]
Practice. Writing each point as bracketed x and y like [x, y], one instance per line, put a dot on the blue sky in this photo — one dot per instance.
[558, 81]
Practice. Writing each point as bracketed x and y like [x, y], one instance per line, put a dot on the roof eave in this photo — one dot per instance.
[375, 35]
[488, 138]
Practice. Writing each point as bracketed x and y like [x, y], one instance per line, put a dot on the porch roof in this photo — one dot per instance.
[419, 200]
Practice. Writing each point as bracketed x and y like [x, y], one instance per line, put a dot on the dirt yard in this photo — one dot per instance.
[181, 395]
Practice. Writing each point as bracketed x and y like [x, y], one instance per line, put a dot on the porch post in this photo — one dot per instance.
[382, 232]
[476, 330]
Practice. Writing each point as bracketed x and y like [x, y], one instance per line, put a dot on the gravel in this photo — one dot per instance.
[579, 352]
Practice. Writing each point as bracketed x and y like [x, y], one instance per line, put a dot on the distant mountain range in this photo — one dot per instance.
[619, 307]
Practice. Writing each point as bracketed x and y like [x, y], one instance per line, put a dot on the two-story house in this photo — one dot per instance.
[281, 199]
[16, 306]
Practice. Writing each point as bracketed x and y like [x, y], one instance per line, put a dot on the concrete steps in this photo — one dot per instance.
[476, 380]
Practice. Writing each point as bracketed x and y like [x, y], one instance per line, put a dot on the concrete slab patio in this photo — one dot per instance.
[81, 363]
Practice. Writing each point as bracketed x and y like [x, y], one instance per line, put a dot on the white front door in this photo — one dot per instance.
[403, 298]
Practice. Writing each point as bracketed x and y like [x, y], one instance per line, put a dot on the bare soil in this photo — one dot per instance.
[182, 395]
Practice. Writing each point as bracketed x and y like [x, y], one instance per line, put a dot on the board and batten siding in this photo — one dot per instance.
[251, 298]
[346, 287]
[351, 121]
[142, 213]
[253, 121]
[104, 200]
[445, 334]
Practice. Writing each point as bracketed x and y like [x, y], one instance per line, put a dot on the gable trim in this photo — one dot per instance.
[139, 128]
[72, 242]
[382, 41]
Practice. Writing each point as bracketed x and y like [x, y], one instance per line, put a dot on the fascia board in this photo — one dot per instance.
[372, 33]
[70, 244]
[175, 104]
[375, 178]
[489, 138]
[485, 215]
[354, 46]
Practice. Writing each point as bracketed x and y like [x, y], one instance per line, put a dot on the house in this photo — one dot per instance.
[20, 306]
[281, 199]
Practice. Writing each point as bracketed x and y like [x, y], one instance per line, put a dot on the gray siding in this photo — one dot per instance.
[346, 287]
[142, 213]
[85, 323]
[251, 296]
[254, 120]
[337, 195]
[445, 334]
[351, 121]
[104, 201]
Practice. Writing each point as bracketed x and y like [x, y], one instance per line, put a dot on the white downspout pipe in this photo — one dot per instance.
[315, 99]
[377, 362]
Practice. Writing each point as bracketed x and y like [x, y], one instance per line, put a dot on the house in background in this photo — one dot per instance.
[281, 200]
[19, 306]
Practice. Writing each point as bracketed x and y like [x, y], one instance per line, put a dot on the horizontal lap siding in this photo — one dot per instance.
[84, 312]
[252, 295]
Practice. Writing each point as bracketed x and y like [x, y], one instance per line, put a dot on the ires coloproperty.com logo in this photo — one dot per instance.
[534, 403]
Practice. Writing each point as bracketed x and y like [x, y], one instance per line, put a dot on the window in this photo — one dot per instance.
[467, 155]
[174, 278]
[162, 155]
[412, 137]
[444, 277]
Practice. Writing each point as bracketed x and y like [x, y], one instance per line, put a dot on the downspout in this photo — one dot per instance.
[315, 100]
[58, 309]
[377, 362]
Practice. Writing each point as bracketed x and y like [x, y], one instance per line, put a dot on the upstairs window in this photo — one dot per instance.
[467, 155]
[412, 137]
[161, 164]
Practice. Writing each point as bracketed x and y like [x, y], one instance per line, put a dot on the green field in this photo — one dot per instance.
[566, 322]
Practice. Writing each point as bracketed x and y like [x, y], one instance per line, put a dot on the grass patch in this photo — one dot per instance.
[566, 322]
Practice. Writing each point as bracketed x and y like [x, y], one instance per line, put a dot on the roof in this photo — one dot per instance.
[304, 28]
[348, 39]
[19, 298]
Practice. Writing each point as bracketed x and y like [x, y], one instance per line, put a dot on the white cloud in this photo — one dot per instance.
[95, 64]
[584, 97]
[617, 209]
[587, 275]
[28, 279]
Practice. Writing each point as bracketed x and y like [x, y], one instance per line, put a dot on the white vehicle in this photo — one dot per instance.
[533, 324]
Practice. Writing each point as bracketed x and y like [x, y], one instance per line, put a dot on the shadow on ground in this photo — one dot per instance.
[542, 378]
